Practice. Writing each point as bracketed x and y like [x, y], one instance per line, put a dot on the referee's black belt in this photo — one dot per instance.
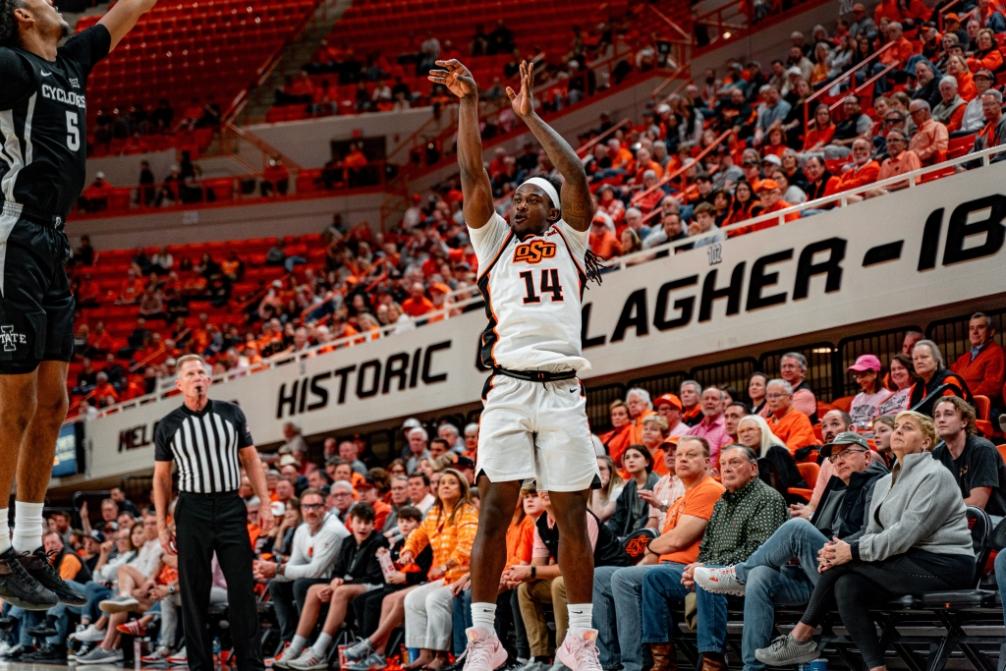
[211, 495]
[16, 210]
[537, 375]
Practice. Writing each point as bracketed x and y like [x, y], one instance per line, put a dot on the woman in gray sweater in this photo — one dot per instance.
[916, 540]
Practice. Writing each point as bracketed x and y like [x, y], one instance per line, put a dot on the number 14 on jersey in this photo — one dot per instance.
[548, 283]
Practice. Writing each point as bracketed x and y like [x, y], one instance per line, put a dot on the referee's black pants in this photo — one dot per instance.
[208, 523]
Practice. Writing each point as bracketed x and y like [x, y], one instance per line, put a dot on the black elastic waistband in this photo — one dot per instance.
[537, 375]
[215, 495]
[21, 212]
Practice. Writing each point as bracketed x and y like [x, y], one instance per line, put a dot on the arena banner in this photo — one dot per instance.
[918, 248]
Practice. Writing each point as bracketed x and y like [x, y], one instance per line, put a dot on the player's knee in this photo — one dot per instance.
[17, 411]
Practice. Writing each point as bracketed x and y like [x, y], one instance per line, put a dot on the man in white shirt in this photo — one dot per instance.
[315, 544]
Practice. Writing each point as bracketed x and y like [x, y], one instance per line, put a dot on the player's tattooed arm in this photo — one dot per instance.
[475, 186]
[121, 18]
[577, 205]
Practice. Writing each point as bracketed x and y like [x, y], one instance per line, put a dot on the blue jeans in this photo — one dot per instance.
[661, 586]
[95, 594]
[769, 581]
[617, 599]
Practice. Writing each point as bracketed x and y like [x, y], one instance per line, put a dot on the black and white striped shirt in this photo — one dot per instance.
[204, 445]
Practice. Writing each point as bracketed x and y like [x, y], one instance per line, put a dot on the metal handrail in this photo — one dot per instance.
[842, 199]
[587, 146]
[848, 74]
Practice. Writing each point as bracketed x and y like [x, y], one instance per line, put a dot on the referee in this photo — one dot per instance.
[210, 442]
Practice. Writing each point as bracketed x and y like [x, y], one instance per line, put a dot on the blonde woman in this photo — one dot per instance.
[916, 540]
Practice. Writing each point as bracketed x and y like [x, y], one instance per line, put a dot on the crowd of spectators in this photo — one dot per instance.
[650, 190]
[726, 487]
[344, 79]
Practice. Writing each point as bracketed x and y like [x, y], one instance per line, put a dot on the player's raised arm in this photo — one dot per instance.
[121, 18]
[577, 206]
[478, 193]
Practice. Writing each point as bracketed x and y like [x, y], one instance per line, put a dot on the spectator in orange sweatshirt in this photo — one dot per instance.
[789, 424]
[983, 367]
[862, 171]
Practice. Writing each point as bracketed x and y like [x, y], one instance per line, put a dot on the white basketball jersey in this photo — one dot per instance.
[533, 292]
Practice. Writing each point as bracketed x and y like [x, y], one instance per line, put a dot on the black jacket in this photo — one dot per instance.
[357, 563]
[843, 508]
[631, 512]
[607, 551]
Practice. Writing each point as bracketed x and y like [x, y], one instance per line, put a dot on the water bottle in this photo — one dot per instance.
[137, 652]
[819, 664]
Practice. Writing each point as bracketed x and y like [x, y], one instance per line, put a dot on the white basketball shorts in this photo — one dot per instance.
[536, 430]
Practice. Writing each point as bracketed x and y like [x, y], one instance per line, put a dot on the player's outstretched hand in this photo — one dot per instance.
[457, 78]
[523, 102]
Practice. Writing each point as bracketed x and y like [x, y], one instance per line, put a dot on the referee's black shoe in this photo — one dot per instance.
[21, 589]
[38, 567]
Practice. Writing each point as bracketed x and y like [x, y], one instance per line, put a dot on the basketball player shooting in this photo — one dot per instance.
[43, 133]
[532, 273]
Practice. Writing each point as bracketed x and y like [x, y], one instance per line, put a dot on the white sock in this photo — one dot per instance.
[320, 647]
[296, 647]
[580, 615]
[27, 526]
[4, 530]
[484, 615]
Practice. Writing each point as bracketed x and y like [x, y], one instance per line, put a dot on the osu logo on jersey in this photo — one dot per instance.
[534, 251]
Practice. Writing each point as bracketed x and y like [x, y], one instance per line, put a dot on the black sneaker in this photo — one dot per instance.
[21, 589]
[38, 566]
[47, 653]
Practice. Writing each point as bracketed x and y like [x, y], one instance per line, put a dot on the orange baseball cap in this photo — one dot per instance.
[669, 399]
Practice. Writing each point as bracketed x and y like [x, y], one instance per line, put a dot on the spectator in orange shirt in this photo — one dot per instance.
[983, 367]
[690, 393]
[520, 543]
[417, 304]
[862, 171]
[899, 160]
[602, 238]
[821, 133]
[786, 422]
[620, 436]
[770, 196]
[958, 69]
[987, 55]
[643, 163]
[104, 393]
[611, 206]
[640, 407]
[931, 137]
[902, 49]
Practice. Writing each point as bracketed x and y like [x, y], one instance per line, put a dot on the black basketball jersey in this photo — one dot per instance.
[43, 119]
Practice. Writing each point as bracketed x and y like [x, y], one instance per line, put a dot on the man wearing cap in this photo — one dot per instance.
[669, 407]
[770, 195]
[767, 578]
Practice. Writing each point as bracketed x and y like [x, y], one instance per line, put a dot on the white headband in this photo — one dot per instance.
[547, 187]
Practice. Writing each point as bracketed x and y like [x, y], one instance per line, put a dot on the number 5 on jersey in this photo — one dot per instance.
[72, 131]
[548, 284]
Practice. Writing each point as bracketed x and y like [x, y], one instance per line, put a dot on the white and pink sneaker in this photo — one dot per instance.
[485, 652]
[579, 650]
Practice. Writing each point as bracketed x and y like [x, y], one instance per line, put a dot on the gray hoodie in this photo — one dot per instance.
[918, 506]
